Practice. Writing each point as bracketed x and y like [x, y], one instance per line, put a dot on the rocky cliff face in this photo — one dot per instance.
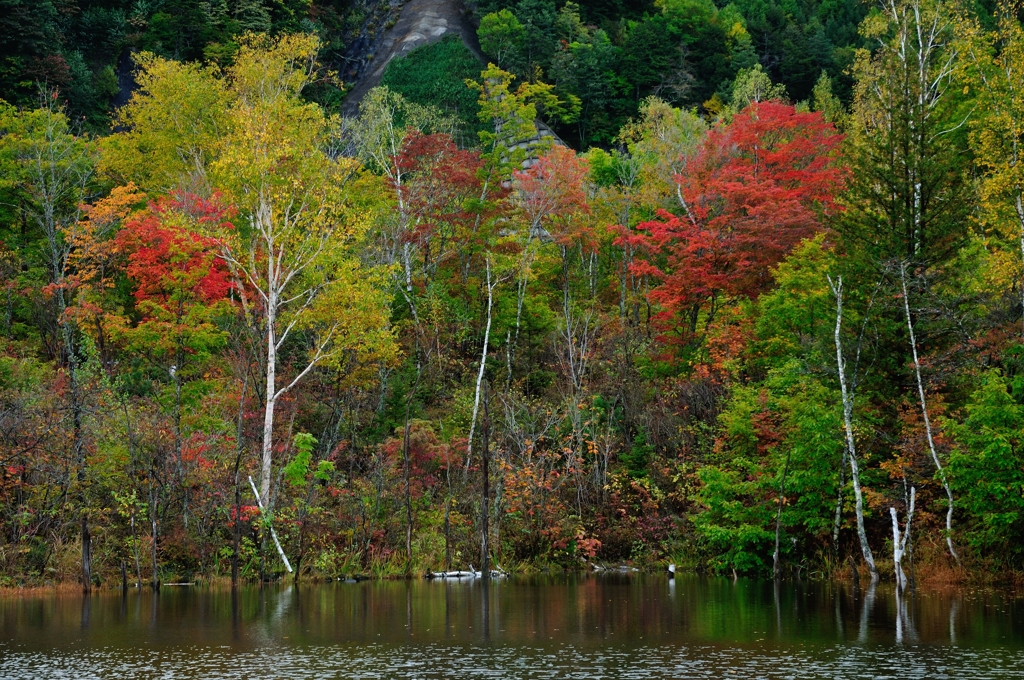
[413, 24]
[368, 22]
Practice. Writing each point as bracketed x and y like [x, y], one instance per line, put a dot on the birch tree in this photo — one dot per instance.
[851, 448]
[291, 257]
[491, 283]
[924, 415]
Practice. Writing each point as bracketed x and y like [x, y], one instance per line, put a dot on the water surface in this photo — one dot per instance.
[568, 627]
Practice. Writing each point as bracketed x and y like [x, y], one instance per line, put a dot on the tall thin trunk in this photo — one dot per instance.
[448, 530]
[239, 449]
[155, 580]
[408, 495]
[273, 534]
[406, 465]
[899, 543]
[483, 366]
[86, 555]
[271, 399]
[131, 517]
[9, 311]
[838, 519]
[521, 284]
[179, 463]
[485, 508]
[135, 550]
[837, 289]
[1019, 205]
[927, 422]
[236, 530]
[778, 516]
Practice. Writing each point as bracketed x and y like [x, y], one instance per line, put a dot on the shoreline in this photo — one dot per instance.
[935, 582]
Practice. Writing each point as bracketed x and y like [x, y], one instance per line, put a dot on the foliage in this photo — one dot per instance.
[435, 75]
[643, 335]
[986, 467]
[752, 192]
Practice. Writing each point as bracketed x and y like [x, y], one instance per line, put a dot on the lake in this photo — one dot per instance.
[609, 626]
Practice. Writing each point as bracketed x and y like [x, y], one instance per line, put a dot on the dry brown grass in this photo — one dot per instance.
[933, 568]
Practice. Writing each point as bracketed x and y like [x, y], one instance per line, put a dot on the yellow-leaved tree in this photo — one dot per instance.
[293, 248]
[993, 67]
[172, 128]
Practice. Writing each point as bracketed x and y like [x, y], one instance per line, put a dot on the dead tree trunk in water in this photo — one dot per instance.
[899, 543]
[837, 290]
[86, 555]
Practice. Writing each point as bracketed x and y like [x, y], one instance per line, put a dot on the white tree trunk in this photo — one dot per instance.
[851, 449]
[899, 542]
[524, 274]
[776, 566]
[1019, 205]
[927, 422]
[271, 401]
[273, 534]
[483, 365]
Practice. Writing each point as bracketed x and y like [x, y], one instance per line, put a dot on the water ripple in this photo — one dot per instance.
[366, 662]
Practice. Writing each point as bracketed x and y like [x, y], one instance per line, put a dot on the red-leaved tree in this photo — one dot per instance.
[181, 285]
[756, 188]
[177, 271]
[439, 181]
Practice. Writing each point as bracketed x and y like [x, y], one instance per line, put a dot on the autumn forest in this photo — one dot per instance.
[648, 285]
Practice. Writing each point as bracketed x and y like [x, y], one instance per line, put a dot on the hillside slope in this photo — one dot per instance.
[421, 22]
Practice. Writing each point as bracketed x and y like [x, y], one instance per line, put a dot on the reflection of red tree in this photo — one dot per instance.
[754, 190]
